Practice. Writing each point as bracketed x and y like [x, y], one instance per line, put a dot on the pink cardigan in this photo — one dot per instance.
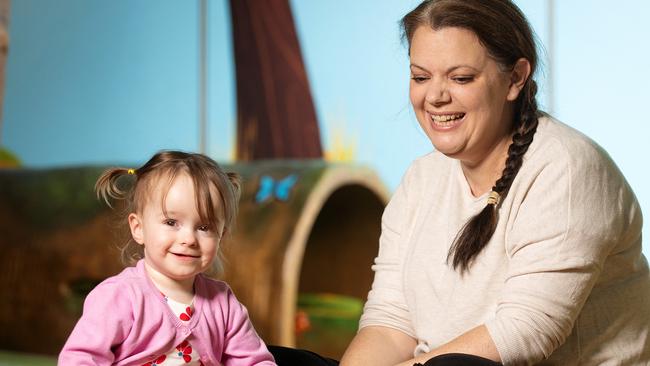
[126, 321]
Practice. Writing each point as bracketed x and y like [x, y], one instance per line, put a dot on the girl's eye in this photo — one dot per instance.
[170, 222]
[204, 228]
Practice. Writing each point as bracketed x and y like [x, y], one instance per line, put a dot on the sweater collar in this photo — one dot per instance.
[199, 293]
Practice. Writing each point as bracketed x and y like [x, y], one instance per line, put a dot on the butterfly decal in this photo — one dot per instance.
[269, 188]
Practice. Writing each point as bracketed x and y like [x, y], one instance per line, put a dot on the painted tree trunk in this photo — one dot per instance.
[4, 48]
[276, 118]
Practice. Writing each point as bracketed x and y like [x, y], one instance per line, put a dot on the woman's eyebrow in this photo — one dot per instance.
[418, 67]
[450, 69]
[461, 66]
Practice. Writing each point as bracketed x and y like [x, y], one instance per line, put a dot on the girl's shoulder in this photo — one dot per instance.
[128, 283]
[217, 294]
[120, 294]
[212, 287]
[129, 275]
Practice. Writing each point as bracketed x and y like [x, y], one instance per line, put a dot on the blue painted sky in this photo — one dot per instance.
[96, 82]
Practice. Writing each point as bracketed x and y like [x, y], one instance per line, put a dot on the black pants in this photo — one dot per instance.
[459, 359]
[296, 357]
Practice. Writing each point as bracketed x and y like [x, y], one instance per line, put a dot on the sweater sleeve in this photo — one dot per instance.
[386, 304]
[243, 346]
[562, 226]
[102, 326]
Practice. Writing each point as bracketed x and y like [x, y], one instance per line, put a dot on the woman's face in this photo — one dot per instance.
[461, 98]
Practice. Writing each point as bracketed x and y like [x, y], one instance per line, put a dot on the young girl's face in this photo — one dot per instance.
[177, 243]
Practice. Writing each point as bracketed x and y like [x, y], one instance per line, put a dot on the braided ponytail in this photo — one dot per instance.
[478, 231]
[503, 30]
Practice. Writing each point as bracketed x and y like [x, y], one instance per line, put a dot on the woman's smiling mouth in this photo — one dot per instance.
[446, 121]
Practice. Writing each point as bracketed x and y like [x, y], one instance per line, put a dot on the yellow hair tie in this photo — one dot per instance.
[131, 171]
[494, 198]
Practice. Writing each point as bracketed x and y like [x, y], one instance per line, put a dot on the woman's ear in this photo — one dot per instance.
[518, 77]
[136, 228]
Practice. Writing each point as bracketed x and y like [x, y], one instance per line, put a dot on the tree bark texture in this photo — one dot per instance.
[276, 118]
[4, 48]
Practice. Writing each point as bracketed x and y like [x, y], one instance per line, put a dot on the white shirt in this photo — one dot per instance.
[562, 279]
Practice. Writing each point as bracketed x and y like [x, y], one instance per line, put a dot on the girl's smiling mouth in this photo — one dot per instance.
[185, 255]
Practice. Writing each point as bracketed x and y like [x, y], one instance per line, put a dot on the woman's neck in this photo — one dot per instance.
[181, 291]
[482, 174]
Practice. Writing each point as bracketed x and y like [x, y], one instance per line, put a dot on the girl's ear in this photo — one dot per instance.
[518, 77]
[136, 228]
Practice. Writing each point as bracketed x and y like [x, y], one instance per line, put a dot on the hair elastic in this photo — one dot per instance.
[494, 198]
[131, 171]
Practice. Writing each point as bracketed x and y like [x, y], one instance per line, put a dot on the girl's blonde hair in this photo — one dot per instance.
[166, 166]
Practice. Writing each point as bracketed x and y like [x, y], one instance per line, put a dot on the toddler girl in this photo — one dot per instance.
[164, 311]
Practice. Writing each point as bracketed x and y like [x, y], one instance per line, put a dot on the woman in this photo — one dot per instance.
[517, 241]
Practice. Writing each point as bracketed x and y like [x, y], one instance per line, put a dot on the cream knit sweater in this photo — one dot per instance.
[562, 281]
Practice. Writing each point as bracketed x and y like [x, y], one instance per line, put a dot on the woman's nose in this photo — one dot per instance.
[437, 93]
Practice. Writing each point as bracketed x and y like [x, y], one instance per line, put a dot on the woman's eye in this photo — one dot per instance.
[463, 79]
[170, 222]
[419, 79]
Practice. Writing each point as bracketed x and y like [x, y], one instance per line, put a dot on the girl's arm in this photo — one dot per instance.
[377, 346]
[103, 325]
[243, 347]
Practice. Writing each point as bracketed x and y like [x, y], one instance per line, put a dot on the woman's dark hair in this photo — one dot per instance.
[503, 30]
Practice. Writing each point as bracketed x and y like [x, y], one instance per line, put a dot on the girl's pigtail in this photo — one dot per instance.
[107, 187]
[236, 183]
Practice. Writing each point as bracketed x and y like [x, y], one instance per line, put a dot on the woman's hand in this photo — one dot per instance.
[474, 342]
[379, 346]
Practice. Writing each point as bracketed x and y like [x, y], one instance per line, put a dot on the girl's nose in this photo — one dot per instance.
[188, 236]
